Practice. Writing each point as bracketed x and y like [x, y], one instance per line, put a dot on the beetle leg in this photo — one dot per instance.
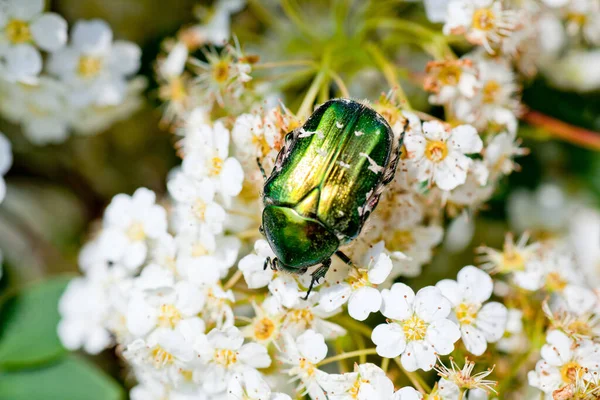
[268, 263]
[318, 274]
[344, 258]
[262, 170]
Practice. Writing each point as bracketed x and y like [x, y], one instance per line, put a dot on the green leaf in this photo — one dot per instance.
[69, 379]
[28, 323]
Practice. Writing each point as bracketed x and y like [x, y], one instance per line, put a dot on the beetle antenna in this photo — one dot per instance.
[262, 170]
[344, 258]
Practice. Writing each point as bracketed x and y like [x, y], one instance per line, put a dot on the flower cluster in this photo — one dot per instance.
[53, 83]
[180, 284]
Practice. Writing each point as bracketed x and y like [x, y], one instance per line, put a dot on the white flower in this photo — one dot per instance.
[6, 159]
[217, 29]
[302, 355]
[563, 361]
[165, 306]
[411, 247]
[450, 79]
[253, 265]
[130, 220]
[249, 384]
[224, 354]
[166, 353]
[359, 288]
[367, 382]
[25, 28]
[306, 315]
[173, 83]
[407, 393]
[41, 109]
[479, 323]
[151, 389]
[84, 308]
[418, 327]
[484, 22]
[207, 156]
[203, 258]
[195, 205]
[584, 236]
[501, 150]
[96, 67]
[440, 155]
[267, 323]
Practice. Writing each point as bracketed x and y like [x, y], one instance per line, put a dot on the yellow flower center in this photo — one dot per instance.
[168, 316]
[570, 371]
[198, 250]
[199, 209]
[555, 282]
[490, 91]
[466, 313]
[450, 75]
[225, 357]
[161, 357]
[353, 392]
[401, 240]
[17, 31]
[307, 366]
[576, 18]
[174, 90]
[484, 19]
[358, 278]
[135, 232]
[303, 315]
[264, 328]
[187, 375]
[261, 143]
[580, 327]
[414, 328]
[216, 166]
[436, 150]
[88, 66]
[221, 71]
[512, 261]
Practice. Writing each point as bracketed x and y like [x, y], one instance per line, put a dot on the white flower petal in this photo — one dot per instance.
[380, 269]
[312, 346]
[476, 284]
[473, 339]
[254, 355]
[397, 301]
[334, 296]
[389, 339]
[442, 335]
[491, 320]
[430, 305]
[364, 301]
[465, 139]
[49, 32]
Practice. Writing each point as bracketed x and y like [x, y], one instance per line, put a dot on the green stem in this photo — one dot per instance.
[414, 378]
[293, 15]
[309, 99]
[389, 71]
[349, 354]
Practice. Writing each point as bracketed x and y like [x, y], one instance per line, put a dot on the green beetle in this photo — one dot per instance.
[326, 181]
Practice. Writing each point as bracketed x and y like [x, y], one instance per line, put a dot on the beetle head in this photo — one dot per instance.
[297, 241]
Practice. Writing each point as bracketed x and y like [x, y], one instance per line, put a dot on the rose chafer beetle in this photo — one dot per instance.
[327, 179]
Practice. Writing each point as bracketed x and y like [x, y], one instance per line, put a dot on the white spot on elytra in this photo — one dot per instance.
[321, 152]
[343, 164]
[373, 166]
[339, 124]
[359, 133]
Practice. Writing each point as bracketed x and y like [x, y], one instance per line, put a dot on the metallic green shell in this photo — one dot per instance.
[332, 169]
